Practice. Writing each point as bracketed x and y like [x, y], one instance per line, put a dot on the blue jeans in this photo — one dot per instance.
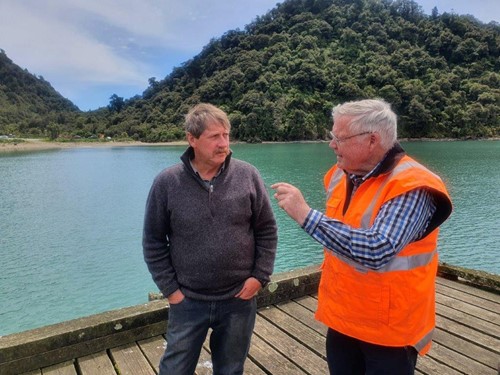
[349, 356]
[232, 322]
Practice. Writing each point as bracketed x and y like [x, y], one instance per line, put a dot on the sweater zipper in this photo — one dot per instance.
[210, 191]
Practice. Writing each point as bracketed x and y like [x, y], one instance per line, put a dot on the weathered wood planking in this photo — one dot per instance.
[288, 340]
[97, 363]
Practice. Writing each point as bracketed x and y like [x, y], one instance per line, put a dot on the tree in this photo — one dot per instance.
[116, 103]
[435, 13]
[53, 130]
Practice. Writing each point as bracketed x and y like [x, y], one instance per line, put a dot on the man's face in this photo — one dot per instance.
[352, 149]
[212, 147]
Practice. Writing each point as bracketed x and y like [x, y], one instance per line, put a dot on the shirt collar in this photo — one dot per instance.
[358, 180]
[221, 169]
[387, 163]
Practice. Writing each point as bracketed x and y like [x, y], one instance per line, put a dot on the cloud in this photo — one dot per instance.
[81, 44]
[42, 40]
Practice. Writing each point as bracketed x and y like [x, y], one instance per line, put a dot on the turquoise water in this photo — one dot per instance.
[71, 220]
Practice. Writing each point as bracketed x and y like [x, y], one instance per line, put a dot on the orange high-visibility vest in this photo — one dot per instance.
[392, 306]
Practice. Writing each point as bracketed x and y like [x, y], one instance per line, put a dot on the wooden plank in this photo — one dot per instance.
[468, 289]
[467, 320]
[468, 308]
[487, 304]
[293, 350]
[65, 368]
[308, 302]
[310, 338]
[303, 315]
[98, 363]
[470, 334]
[34, 372]
[153, 349]
[429, 366]
[458, 361]
[39, 358]
[477, 353]
[266, 357]
[129, 360]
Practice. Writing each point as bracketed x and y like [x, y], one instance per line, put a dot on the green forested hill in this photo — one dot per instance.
[280, 76]
[29, 102]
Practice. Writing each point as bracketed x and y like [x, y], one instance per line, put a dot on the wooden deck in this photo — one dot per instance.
[287, 340]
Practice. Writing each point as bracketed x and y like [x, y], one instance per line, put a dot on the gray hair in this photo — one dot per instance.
[370, 115]
[201, 115]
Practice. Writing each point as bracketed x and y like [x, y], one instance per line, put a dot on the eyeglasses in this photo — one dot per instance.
[343, 139]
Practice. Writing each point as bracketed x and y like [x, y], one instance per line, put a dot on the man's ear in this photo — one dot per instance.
[375, 139]
[190, 138]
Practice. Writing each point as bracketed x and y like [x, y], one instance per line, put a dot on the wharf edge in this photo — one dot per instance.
[286, 340]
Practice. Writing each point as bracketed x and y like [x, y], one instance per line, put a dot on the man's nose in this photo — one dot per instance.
[223, 142]
[333, 144]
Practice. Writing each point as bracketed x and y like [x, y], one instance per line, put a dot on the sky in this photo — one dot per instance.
[91, 49]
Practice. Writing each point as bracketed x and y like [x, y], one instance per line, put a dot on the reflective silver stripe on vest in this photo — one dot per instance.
[398, 263]
[334, 180]
[424, 341]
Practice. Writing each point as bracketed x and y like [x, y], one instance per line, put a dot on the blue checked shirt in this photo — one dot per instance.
[400, 221]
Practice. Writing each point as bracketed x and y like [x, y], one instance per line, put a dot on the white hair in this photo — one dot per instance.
[370, 115]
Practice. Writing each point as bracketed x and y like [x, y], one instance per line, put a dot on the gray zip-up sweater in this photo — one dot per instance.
[207, 240]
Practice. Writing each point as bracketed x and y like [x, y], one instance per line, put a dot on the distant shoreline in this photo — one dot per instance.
[40, 145]
[27, 145]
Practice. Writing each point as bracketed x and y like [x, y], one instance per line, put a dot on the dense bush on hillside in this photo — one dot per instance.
[29, 104]
[279, 78]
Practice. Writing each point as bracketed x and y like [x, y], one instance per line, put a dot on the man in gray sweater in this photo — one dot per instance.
[209, 242]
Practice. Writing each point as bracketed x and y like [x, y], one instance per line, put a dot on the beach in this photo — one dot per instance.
[42, 145]
[32, 144]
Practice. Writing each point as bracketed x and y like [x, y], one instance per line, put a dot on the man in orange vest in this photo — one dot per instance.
[379, 234]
